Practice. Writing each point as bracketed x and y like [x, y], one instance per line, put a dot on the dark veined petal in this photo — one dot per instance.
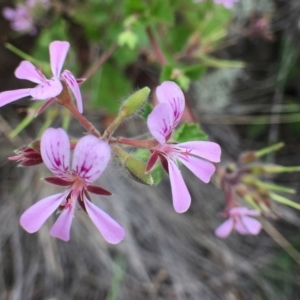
[91, 157]
[161, 122]
[169, 92]
[55, 151]
[73, 85]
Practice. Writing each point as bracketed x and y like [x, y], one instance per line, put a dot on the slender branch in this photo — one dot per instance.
[89, 126]
[156, 48]
[99, 62]
[135, 143]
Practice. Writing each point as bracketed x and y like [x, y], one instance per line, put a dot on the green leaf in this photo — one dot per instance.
[161, 11]
[189, 132]
[166, 73]
[134, 6]
[147, 109]
[102, 88]
[194, 72]
[128, 38]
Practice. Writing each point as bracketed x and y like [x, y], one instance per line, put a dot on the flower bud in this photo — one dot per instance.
[135, 102]
[28, 155]
[135, 167]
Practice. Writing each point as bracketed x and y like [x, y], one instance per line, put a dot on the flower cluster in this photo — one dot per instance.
[22, 18]
[243, 186]
[92, 153]
[46, 89]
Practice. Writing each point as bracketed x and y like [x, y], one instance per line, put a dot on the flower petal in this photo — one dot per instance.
[169, 92]
[26, 70]
[9, 13]
[180, 194]
[91, 156]
[36, 215]
[58, 52]
[50, 88]
[224, 229]
[201, 168]
[11, 96]
[109, 228]
[73, 85]
[208, 150]
[252, 225]
[55, 151]
[61, 228]
[161, 122]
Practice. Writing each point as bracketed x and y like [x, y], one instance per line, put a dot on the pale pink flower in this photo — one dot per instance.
[46, 89]
[240, 219]
[22, 17]
[161, 123]
[226, 3]
[90, 158]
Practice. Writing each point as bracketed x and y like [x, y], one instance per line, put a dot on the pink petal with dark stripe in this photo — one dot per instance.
[161, 122]
[169, 92]
[73, 85]
[91, 157]
[55, 151]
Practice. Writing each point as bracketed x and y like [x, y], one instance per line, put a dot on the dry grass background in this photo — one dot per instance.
[165, 255]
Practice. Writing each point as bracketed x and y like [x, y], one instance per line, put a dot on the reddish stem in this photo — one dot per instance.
[156, 48]
[99, 62]
[135, 143]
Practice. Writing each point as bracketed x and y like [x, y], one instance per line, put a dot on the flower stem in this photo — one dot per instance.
[89, 126]
[115, 123]
[135, 143]
[99, 62]
[156, 48]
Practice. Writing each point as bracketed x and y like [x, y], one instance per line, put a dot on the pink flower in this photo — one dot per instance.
[161, 123]
[46, 89]
[226, 3]
[90, 158]
[20, 19]
[240, 221]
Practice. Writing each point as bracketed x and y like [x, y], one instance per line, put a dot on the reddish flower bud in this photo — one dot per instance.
[28, 155]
